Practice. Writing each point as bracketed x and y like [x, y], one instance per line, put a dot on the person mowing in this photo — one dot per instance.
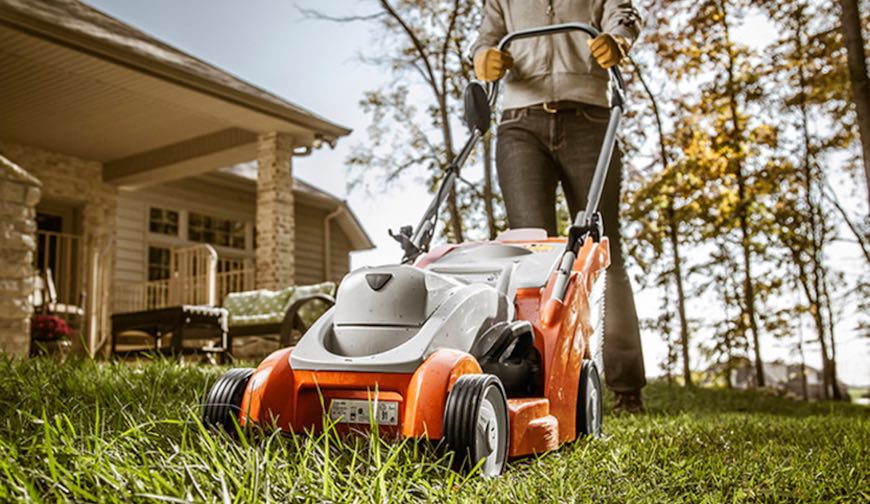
[555, 116]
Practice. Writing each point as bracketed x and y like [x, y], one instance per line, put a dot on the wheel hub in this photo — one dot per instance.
[487, 427]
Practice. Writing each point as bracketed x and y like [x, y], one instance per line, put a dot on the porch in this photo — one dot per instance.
[195, 275]
[94, 109]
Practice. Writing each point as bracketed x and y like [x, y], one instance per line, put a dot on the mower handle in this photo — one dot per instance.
[415, 241]
[616, 79]
[588, 222]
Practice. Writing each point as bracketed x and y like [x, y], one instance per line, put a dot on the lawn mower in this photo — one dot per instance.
[484, 346]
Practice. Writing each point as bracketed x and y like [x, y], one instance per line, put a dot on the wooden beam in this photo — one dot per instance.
[183, 159]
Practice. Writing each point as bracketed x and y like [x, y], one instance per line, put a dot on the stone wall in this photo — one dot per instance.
[276, 224]
[19, 193]
[79, 183]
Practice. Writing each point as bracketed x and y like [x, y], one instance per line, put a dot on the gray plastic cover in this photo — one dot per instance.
[407, 299]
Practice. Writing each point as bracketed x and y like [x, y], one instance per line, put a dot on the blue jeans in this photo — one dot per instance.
[536, 151]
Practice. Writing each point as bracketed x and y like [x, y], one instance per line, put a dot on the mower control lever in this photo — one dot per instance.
[582, 227]
[404, 238]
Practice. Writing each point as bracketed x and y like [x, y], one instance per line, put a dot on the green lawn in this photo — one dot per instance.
[108, 432]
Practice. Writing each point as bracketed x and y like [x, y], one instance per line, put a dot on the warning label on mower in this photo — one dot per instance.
[359, 411]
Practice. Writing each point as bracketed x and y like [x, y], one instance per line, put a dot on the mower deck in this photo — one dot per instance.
[298, 400]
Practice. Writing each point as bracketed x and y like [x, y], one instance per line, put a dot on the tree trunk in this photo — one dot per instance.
[749, 292]
[681, 298]
[748, 286]
[488, 204]
[673, 232]
[455, 215]
[813, 301]
[729, 362]
[850, 21]
[815, 222]
[836, 393]
[803, 368]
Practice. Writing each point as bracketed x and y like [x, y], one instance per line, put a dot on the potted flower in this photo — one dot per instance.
[49, 334]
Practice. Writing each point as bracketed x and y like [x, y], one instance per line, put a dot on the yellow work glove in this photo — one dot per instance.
[490, 64]
[608, 49]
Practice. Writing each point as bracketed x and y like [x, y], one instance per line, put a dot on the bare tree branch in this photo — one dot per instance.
[315, 14]
[418, 46]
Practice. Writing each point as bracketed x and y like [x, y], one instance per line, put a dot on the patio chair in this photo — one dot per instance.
[45, 300]
[287, 313]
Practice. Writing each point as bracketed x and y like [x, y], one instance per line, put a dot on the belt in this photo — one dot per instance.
[558, 106]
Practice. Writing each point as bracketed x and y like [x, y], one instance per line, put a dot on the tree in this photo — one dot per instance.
[722, 145]
[413, 114]
[808, 66]
[655, 204]
[850, 24]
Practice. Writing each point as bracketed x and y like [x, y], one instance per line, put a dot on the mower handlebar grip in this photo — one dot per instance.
[615, 73]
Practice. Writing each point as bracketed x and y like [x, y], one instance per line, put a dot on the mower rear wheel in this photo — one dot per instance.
[224, 400]
[476, 424]
[589, 401]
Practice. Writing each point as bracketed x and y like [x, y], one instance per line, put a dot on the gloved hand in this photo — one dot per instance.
[608, 49]
[490, 64]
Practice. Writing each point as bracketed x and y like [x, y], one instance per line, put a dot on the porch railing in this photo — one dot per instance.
[197, 276]
[233, 275]
[193, 273]
[142, 296]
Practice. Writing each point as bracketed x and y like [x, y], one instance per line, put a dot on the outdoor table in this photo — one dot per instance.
[181, 321]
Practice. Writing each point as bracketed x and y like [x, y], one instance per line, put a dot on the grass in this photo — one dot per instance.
[85, 431]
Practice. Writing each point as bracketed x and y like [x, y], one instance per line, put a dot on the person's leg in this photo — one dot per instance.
[526, 171]
[623, 356]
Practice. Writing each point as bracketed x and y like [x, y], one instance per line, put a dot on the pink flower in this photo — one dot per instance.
[49, 328]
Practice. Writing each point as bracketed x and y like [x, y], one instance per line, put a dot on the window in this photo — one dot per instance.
[216, 231]
[158, 263]
[163, 221]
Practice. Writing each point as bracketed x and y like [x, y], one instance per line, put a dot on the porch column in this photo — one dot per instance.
[19, 194]
[275, 216]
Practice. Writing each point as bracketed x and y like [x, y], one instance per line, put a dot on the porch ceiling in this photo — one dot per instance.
[80, 83]
[62, 100]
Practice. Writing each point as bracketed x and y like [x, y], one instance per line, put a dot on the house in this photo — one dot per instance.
[786, 378]
[128, 161]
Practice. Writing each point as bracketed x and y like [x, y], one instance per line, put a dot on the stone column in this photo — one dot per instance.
[275, 216]
[19, 193]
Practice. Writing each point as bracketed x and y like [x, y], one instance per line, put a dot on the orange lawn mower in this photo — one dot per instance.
[485, 346]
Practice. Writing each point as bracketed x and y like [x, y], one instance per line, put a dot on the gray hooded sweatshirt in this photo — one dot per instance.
[557, 67]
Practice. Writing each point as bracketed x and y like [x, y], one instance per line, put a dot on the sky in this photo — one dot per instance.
[316, 64]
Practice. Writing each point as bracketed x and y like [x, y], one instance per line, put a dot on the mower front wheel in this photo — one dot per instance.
[224, 400]
[476, 424]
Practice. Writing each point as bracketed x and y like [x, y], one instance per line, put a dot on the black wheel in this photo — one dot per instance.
[476, 424]
[589, 401]
[224, 399]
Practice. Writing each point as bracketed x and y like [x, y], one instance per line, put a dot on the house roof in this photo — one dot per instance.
[76, 24]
